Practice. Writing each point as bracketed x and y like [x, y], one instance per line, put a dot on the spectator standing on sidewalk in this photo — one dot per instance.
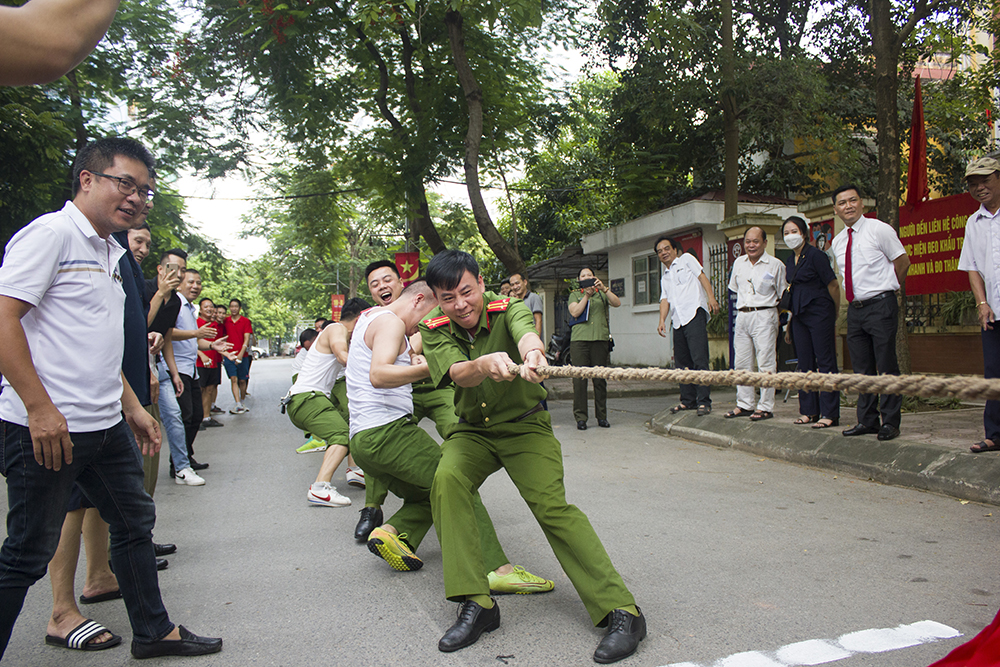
[874, 264]
[812, 327]
[589, 345]
[238, 330]
[61, 320]
[686, 288]
[520, 287]
[758, 280]
[209, 363]
[981, 258]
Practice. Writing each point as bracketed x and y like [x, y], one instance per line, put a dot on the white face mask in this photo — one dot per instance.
[794, 241]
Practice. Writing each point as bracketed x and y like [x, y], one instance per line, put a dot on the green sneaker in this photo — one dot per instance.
[394, 550]
[312, 445]
[520, 581]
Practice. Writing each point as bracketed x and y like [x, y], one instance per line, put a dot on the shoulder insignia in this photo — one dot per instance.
[498, 306]
[436, 322]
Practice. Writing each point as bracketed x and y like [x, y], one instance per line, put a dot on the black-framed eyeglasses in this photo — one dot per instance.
[126, 186]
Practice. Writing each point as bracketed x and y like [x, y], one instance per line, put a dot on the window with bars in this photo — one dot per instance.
[646, 280]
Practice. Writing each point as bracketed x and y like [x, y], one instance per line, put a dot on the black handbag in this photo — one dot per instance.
[785, 303]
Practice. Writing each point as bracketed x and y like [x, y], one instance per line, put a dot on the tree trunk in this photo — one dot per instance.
[474, 100]
[886, 46]
[731, 122]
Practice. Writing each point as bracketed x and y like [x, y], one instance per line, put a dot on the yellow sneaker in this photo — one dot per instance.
[520, 581]
[394, 550]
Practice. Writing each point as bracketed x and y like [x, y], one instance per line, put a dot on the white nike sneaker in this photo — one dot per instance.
[324, 493]
[356, 477]
[188, 477]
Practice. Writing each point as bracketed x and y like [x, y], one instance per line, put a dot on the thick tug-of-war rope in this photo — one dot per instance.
[908, 385]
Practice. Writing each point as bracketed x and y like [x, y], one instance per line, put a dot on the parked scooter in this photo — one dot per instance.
[558, 352]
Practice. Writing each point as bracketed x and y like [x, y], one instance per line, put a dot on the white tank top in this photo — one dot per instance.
[370, 407]
[318, 373]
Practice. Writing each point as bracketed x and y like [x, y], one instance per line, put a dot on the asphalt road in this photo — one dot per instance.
[732, 558]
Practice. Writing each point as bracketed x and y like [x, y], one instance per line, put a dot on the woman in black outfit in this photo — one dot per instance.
[812, 327]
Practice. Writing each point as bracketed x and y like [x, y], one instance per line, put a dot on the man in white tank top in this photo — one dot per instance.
[312, 409]
[387, 442]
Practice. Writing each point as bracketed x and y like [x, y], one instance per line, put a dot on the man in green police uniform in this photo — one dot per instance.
[438, 405]
[471, 340]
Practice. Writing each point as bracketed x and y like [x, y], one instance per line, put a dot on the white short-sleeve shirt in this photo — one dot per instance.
[75, 331]
[680, 287]
[875, 246]
[981, 252]
[757, 285]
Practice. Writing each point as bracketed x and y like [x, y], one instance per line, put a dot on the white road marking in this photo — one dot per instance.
[821, 651]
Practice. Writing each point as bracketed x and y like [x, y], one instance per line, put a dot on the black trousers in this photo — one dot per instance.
[691, 352]
[814, 336]
[871, 340]
[192, 411]
[991, 369]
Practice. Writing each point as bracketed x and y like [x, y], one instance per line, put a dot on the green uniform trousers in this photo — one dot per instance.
[533, 459]
[438, 405]
[404, 457]
[314, 412]
[589, 353]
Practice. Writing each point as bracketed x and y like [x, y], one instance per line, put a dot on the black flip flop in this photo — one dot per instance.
[738, 412]
[79, 638]
[101, 597]
[983, 446]
[678, 408]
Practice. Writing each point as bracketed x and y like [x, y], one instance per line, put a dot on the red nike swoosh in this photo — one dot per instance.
[327, 498]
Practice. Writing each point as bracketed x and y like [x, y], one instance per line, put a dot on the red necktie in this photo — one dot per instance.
[848, 283]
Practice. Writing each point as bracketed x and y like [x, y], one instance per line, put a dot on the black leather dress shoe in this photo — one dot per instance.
[371, 518]
[861, 429]
[581, 426]
[162, 563]
[472, 621]
[188, 644]
[195, 465]
[164, 549]
[888, 432]
[603, 423]
[625, 631]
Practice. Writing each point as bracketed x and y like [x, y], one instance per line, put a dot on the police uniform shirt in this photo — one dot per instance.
[502, 324]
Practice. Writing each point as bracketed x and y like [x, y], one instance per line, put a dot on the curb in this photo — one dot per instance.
[897, 462]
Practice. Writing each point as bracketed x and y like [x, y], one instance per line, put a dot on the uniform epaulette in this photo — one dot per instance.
[498, 306]
[436, 322]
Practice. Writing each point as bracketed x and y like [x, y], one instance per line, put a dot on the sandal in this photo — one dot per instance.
[983, 446]
[677, 408]
[807, 419]
[761, 415]
[704, 410]
[80, 638]
[820, 424]
[738, 412]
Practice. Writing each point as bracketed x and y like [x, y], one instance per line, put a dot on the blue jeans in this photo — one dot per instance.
[107, 465]
[173, 424]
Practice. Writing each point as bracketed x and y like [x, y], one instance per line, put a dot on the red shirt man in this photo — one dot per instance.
[238, 329]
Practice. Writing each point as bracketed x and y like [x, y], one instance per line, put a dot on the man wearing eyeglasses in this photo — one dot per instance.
[758, 280]
[64, 398]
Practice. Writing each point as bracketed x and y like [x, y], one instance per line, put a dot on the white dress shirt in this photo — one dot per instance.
[680, 287]
[873, 250]
[981, 252]
[757, 285]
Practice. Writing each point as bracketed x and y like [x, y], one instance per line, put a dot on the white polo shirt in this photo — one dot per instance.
[875, 246]
[680, 287]
[981, 252]
[75, 331]
[757, 285]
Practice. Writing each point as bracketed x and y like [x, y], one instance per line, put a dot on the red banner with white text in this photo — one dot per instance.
[932, 233]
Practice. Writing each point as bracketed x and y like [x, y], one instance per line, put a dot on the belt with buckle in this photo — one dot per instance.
[756, 308]
[867, 302]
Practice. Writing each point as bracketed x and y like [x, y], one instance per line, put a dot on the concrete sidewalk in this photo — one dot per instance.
[931, 453]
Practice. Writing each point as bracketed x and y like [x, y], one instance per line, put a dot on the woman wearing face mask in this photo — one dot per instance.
[812, 326]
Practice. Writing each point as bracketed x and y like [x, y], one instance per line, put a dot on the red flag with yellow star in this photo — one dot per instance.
[408, 265]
